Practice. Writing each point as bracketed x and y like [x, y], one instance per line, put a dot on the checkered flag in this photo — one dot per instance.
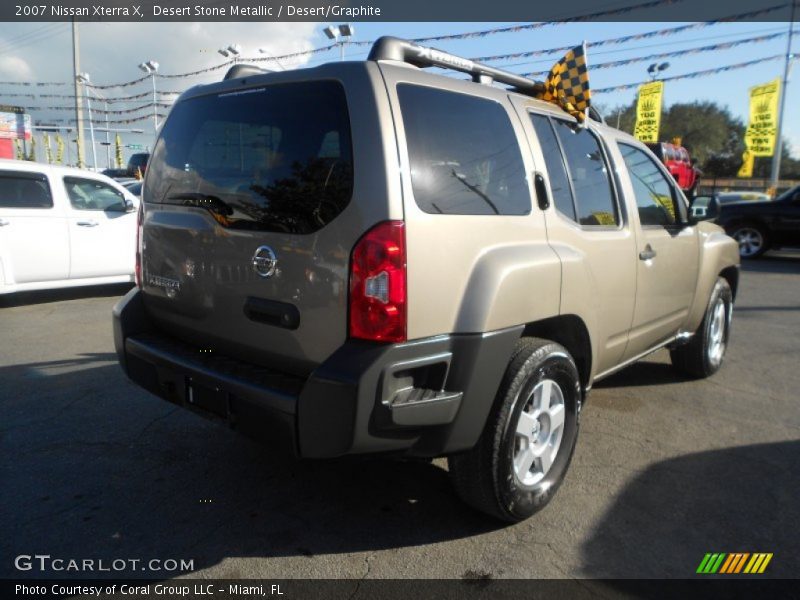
[567, 85]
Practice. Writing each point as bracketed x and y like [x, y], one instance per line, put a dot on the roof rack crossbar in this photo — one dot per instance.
[392, 48]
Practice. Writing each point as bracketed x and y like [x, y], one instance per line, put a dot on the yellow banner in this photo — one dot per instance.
[761, 131]
[748, 158]
[648, 111]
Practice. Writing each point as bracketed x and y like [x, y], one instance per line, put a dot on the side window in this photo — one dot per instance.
[594, 200]
[24, 190]
[655, 197]
[90, 194]
[464, 154]
[556, 171]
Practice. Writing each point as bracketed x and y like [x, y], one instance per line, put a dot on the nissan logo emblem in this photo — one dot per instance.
[265, 262]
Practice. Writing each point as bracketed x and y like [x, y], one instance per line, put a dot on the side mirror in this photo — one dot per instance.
[129, 205]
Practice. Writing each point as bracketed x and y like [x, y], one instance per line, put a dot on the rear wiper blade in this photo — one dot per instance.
[212, 203]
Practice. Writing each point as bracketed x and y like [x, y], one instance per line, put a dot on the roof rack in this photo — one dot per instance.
[392, 48]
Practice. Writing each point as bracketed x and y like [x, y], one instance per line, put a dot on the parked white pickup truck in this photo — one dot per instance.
[63, 227]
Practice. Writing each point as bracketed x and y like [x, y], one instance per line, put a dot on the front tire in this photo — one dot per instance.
[703, 355]
[529, 437]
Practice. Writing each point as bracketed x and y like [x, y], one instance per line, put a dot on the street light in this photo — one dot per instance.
[655, 69]
[341, 34]
[84, 79]
[232, 50]
[150, 67]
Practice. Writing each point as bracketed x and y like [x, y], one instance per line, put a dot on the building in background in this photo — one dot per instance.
[15, 124]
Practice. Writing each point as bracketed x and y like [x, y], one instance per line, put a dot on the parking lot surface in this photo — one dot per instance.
[665, 470]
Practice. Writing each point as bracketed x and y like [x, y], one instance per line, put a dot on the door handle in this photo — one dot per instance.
[90, 223]
[4, 222]
[542, 197]
[648, 253]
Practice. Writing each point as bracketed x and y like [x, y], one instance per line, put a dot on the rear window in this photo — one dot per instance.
[24, 190]
[464, 154]
[273, 158]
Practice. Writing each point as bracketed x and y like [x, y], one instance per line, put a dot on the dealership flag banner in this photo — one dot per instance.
[567, 84]
[648, 111]
[746, 170]
[761, 131]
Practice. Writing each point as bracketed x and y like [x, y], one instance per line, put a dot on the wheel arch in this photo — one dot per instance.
[571, 332]
[731, 275]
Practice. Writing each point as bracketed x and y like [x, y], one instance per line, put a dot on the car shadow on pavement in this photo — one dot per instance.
[643, 373]
[92, 466]
[59, 295]
[739, 499]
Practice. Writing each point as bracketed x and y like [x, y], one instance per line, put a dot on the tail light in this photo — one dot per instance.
[378, 299]
[137, 271]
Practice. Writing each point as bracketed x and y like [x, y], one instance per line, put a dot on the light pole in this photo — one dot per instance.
[787, 67]
[83, 78]
[341, 34]
[269, 55]
[151, 67]
[655, 69]
[231, 51]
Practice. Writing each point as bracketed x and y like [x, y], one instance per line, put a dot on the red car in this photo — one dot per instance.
[678, 162]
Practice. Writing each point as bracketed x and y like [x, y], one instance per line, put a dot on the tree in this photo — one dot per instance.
[711, 134]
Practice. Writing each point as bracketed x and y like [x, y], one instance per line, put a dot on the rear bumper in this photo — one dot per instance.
[423, 398]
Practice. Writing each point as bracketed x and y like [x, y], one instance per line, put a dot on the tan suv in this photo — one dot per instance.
[365, 257]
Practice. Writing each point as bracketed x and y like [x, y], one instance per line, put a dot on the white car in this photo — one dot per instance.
[63, 227]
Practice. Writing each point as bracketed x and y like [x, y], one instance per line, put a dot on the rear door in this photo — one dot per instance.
[667, 251]
[588, 230]
[252, 208]
[102, 229]
[34, 242]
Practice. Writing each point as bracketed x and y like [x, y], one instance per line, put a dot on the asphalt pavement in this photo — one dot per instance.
[665, 470]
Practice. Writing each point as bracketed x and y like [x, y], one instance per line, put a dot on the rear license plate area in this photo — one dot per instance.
[207, 398]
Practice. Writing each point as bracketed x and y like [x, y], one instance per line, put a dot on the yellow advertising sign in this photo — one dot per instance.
[648, 111]
[748, 158]
[761, 131]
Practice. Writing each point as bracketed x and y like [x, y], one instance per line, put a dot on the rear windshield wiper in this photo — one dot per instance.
[213, 203]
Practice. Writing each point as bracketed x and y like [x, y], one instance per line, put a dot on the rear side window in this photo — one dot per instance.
[274, 158]
[464, 154]
[556, 170]
[594, 200]
[24, 190]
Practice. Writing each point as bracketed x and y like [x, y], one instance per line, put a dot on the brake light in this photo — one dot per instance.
[137, 270]
[378, 298]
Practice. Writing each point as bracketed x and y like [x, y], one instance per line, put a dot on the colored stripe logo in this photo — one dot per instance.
[733, 563]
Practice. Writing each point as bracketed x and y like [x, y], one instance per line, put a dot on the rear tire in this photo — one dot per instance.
[753, 240]
[527, 443]
[703, 355]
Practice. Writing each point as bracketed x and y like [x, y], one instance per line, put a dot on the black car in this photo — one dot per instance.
[761, 225]
[137, 164]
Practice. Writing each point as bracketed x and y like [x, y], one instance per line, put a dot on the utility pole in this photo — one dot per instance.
[776, 157]
[76, 69]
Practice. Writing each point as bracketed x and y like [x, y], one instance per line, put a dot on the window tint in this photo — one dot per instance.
[655, 199]
[556, 172]
[90, 194]
[464, 154]
[24, 190]
[587, 170]
[274, 158]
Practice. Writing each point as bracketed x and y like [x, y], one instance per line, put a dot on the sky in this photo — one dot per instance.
[110, 53]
